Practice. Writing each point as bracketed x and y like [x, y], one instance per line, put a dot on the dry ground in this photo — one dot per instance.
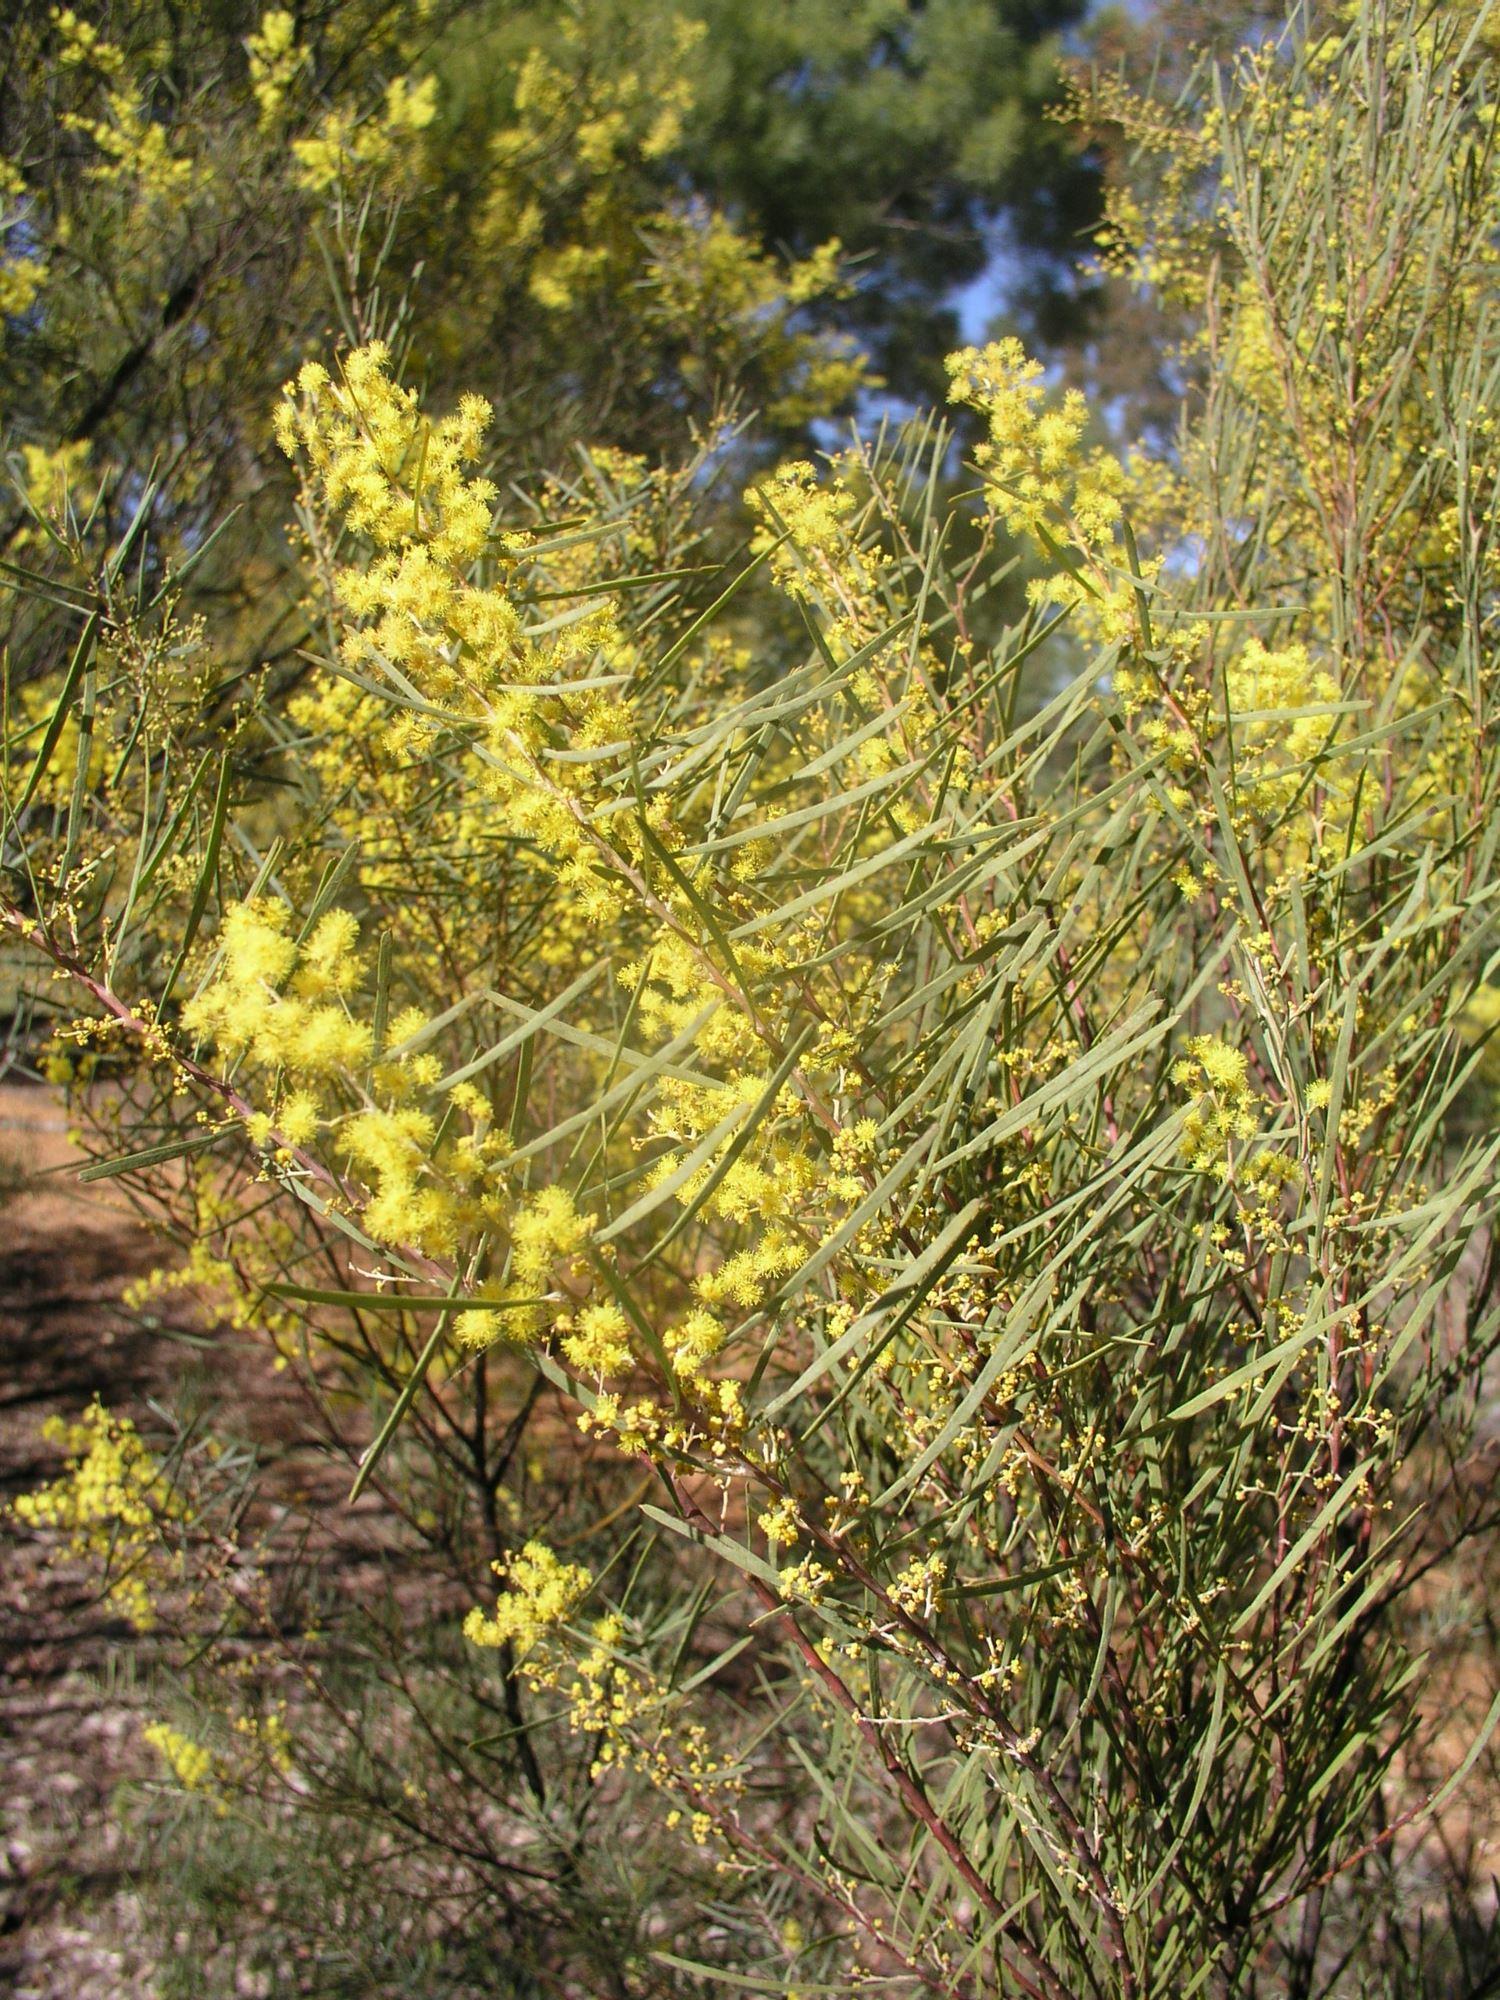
[65, 1256]
[70, 1710]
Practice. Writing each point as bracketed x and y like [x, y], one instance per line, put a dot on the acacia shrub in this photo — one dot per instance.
[978, 1177]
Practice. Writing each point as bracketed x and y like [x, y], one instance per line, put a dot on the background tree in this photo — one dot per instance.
[615, 219]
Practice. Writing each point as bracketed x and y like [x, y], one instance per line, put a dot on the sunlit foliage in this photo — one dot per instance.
[910, 1235]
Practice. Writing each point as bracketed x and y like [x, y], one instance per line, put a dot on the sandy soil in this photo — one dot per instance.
[70, 1710]
[64, 1258]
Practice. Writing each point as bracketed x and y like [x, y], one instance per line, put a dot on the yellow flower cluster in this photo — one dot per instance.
[231, 1283]
[1221, 1075]
[414, 607]
[109, 1506]
[571, 210]
[549, 1241]
[284, 1004]
[768, 1183]
[809, 529]
[275, 60]
[1139, 242]
[193, 1767]
[576, 132]
[600, 1342]
[1040, 479]
[623, 108]
[268, 1738]
[806, 1582]
[542, 1594]
[393, 1146]
[20, 277]
[1279, 706]
[631, 1716]
[704, 274]
[134, 146]
[81, 46]
[548, 1228]
[918, 1587]
[52, 473]
[381, 147]
[399, 479]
